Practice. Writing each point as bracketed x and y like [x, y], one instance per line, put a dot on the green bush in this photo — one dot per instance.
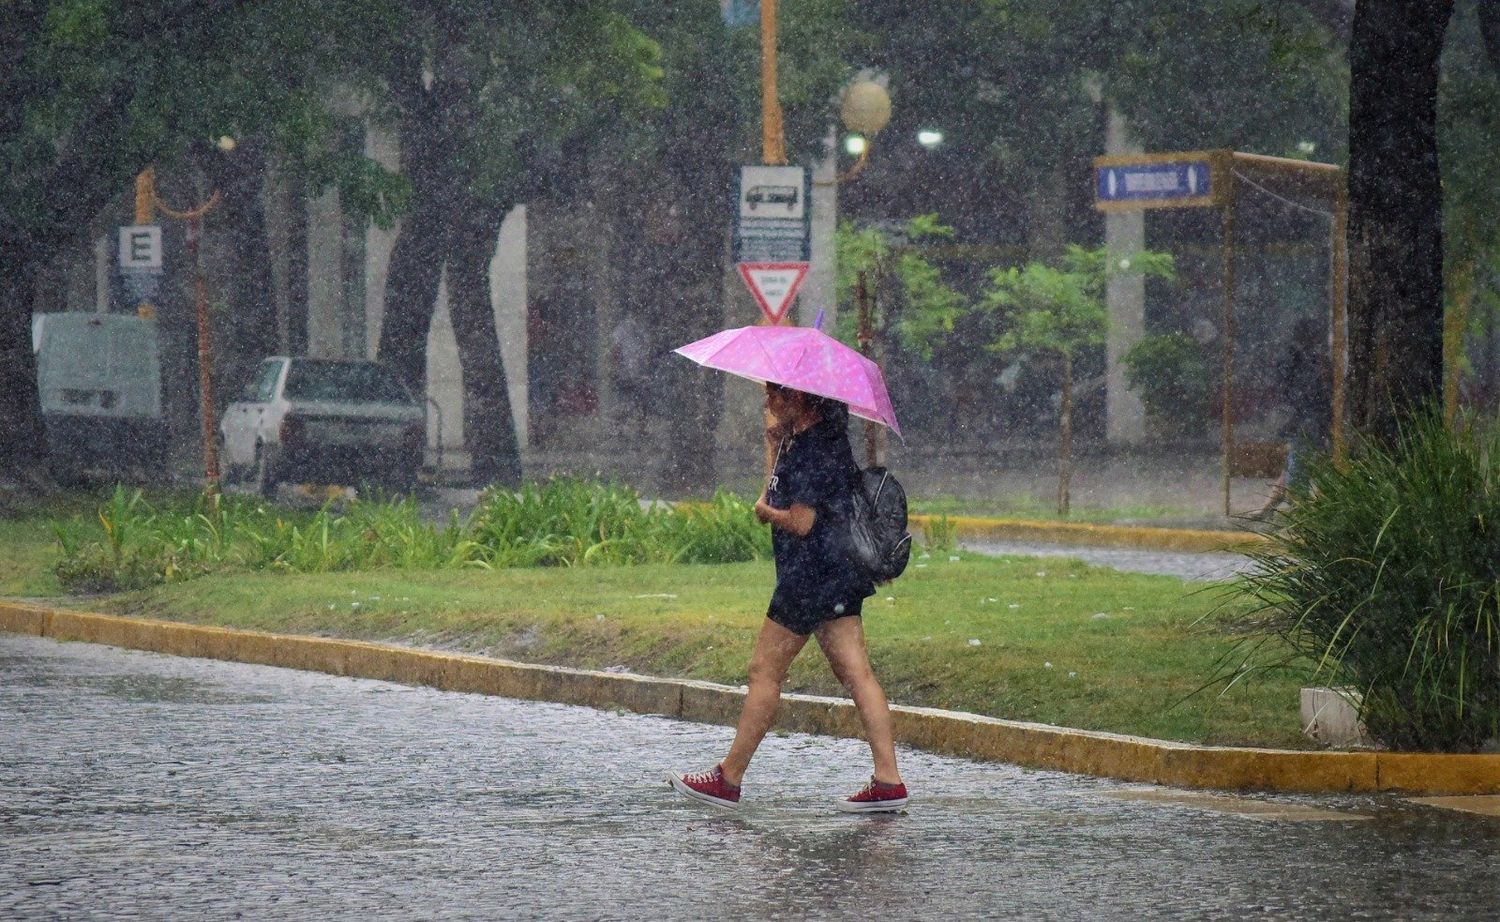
[1173, 378]
[132, 543]
[1386, 577]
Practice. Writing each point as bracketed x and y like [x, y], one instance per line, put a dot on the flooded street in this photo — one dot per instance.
[135, 785]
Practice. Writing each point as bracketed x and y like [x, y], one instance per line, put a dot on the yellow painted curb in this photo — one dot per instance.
[1109, 755]
[1159, 539]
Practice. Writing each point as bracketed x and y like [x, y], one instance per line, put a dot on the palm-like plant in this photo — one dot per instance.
[1385, 576]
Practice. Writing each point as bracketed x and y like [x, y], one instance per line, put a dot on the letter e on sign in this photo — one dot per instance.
[140, 247]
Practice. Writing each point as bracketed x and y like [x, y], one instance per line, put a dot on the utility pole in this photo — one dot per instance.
[206, 413]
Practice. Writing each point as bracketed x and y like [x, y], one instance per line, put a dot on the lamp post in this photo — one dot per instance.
[146, 201]
[865, 111]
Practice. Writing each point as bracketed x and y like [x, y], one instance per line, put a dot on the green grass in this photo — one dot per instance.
[27, 551]
[1134, 671]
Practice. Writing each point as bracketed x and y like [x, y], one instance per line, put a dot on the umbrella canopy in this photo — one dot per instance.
[802, 358]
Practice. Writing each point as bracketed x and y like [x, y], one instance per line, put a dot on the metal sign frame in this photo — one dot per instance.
[1227, 169]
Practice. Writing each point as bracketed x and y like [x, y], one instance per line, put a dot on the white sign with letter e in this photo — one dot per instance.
[774, 285]
[140, 247]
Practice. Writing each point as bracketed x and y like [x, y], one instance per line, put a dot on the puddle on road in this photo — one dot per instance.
[160, 689]
[1482, 804]
[1237, 806]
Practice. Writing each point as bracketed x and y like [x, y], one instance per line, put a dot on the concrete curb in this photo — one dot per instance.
[1159, 539]
[973, 736]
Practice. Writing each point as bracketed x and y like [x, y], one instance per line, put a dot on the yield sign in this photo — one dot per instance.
[774, 285]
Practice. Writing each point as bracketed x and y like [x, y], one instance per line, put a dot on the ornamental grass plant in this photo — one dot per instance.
[1385, 576]
[132, 542]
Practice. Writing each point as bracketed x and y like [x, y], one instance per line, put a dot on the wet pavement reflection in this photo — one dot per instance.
[134, 785]
[1183, 565]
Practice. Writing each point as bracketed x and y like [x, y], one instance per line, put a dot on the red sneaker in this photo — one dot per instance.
[875, 797]
[709, 787]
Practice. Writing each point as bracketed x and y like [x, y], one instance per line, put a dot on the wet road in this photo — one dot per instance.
[1188, 566]
[134, 785]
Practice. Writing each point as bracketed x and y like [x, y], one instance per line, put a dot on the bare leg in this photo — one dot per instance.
[775, 649]
[843, 642]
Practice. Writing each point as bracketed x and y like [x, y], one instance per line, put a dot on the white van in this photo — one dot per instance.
[99, 379]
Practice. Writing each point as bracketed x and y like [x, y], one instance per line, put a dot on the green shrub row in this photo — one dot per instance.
[132, 542]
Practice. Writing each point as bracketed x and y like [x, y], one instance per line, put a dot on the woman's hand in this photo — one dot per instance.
[797, 520]
[763, 510]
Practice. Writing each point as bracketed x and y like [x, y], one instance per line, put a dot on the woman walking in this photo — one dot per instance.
[819, 593]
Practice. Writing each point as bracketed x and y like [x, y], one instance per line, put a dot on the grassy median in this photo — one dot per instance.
[1050, 640]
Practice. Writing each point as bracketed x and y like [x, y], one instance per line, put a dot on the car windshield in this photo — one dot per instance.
[346, 382]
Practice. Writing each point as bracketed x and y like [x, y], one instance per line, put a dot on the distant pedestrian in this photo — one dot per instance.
[1305, 377]
[818, 593]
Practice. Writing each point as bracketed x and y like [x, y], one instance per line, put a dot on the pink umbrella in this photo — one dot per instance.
[802, 358]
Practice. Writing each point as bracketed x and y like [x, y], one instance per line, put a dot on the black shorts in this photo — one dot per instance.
[803, 620]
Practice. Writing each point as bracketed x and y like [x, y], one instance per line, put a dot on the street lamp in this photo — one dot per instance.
[148, 202]
[865, 110]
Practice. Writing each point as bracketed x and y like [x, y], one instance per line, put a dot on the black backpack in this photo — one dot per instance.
[879, 543]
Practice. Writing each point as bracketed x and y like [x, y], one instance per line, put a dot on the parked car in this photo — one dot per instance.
[304, 420]
[99, 382]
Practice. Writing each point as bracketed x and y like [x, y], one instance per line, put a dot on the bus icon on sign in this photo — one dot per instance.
[772, 195]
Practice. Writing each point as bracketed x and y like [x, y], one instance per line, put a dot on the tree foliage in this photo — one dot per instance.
[927, 307]
[1060, 309]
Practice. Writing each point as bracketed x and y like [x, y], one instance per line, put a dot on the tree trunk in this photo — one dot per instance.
[296, 268]
[416, 269]
[693, 283]
[489, 423]
[1395, 212]
[1065, 439]
[252, 333]
[428, 154]
[23, 447]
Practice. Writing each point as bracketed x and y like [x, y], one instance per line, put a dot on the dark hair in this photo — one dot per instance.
[834, 413]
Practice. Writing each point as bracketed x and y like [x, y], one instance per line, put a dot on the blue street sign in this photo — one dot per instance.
[1157, 182]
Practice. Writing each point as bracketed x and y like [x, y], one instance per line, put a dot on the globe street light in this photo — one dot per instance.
[864, 110]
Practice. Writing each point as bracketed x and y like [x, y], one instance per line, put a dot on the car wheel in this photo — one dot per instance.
[263, 473]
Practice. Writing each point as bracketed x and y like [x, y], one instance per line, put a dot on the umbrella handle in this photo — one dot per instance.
[818, 321]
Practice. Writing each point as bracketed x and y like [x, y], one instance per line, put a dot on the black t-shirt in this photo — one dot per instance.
[813, 573]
